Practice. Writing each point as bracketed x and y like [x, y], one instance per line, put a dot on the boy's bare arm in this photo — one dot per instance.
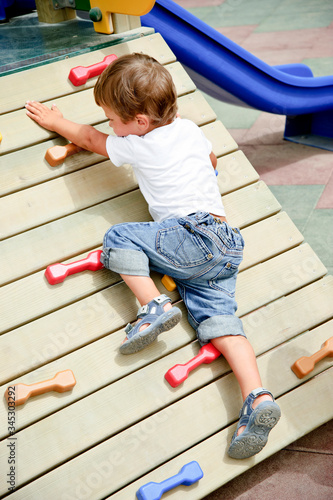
[85, 136]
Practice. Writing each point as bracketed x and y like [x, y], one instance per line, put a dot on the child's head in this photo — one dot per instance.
[136, 84]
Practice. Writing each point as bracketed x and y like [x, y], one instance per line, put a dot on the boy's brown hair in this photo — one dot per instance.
[137, 84]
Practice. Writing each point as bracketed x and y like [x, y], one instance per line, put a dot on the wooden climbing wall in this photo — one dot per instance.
[122, 425]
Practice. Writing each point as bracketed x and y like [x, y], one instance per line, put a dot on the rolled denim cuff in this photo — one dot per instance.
[219, 326]
[124, 261]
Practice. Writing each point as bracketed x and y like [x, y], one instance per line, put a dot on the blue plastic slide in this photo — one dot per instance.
[224, 70]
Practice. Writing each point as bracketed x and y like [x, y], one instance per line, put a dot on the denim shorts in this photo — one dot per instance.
[202, 255]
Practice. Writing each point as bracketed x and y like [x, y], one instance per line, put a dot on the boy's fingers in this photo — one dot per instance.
[31, 106]
[32, 114]
[31, 103]
[35, 105]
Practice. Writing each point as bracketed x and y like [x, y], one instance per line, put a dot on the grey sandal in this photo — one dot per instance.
[159, 321]
[259, 422]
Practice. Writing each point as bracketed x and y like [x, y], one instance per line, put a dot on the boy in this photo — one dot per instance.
[189, 239]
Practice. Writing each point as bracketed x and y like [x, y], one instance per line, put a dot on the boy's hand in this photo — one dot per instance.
[84, 136]
[41, 114]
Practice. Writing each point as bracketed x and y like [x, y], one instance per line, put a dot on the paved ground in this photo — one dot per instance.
[301, 178]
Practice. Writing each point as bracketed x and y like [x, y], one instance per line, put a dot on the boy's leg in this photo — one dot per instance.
[156, 314]
[129, 249]
[239, 353]
[144, 289]
[259, 413]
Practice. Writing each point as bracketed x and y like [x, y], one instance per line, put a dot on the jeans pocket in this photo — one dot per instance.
[225, 280]
[181, 247]
[231, 238]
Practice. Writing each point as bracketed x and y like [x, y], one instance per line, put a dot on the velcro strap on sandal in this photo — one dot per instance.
[258, 392]
[128, 328]
[161, 299]
[143, 310]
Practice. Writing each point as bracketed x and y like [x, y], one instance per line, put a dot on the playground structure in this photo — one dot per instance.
[224, 70]
[123, 425]
[218, 66]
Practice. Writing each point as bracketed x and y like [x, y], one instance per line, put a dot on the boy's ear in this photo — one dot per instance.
[143, 121]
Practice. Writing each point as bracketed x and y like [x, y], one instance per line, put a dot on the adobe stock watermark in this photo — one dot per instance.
[103, 471]
[11, 475]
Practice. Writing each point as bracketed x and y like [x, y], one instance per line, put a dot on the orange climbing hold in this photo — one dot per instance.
[304, 365]
[61, 382]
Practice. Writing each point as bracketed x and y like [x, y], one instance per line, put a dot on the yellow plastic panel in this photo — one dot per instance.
[127, 7]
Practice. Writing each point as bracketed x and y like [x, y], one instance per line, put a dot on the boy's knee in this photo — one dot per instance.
[220, 326]
[113, 235]
[122, 254]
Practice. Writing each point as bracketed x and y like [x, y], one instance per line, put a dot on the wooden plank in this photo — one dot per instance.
[79, 324]
[61, 239]
[195, 107]
[71, 235]
[275, 234]
[48, 14]
[293, 311]
[122, 23]
[73, 326]
[164, 434]
[260, 204]
[235, 171]
[266, 282]
[84, 230]
[78, 190]
[184, 84]
[19, 88]
[222, 144]
[91, 318]
[91, 364]
[290, 314]
[52, 200]
[81, 108]
[217, 467]
[16, 175]
[60, 197]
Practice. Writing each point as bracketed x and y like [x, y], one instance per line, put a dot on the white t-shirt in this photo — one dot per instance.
[173, 169]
